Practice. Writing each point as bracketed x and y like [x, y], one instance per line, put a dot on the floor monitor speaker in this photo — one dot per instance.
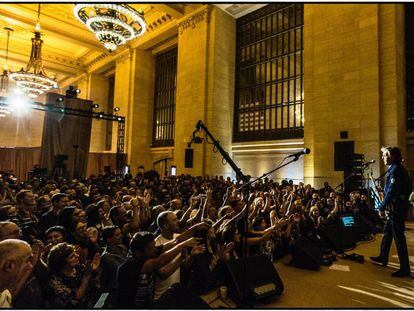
[257, 275]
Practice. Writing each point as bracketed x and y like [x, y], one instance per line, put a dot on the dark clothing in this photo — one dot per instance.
[395, 228]
[136, 289]
[61, 292]
[47, 220]
[112, 257]
[202, 279]
[28, 225]
[397, 190]
[30, 296]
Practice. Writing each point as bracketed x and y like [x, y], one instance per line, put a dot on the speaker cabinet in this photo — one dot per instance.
[343, 153]
[257, 275]
[188, 159]
[306, 255]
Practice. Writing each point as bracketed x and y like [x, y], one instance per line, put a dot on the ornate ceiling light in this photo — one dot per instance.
[4, 83]
[113, 24]
[33, 79]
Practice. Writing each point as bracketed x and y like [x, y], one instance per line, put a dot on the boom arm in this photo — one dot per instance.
[201, 126]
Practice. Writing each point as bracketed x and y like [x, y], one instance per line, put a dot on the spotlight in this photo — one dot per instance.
[116, 109]
[101, 116]
[18, 101]
[119, 119]
[95, 106]
[60, 99]
[72, 92]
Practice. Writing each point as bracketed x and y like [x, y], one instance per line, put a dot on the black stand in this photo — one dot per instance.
[75, 158]
[342, 184]
[201, 126]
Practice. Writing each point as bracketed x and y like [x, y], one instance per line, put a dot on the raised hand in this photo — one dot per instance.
[190, 242]
[296, 217]
[197, 250]
[96, 262]
[134, 202]
[37, 249]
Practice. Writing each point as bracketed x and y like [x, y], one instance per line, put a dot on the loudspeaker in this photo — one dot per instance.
[180, 297]
[343, 151]
[365, 225]
[258, 274]
[189, 154]
[305, 254]
[338, 237]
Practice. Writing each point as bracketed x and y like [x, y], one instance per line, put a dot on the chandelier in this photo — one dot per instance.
[113, 24]
[4, 79]
[33, 79]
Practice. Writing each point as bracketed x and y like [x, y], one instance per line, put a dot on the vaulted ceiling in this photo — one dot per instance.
[70, 49]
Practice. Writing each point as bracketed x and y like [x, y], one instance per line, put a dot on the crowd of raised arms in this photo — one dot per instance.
[65, 242]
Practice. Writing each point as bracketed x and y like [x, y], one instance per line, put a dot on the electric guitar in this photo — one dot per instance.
[380, 197]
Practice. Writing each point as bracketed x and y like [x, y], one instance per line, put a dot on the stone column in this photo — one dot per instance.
[205, 86]
[141, 113]
[98, 93]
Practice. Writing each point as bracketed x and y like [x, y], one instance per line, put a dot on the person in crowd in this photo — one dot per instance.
[114, 255]
[70, 285]
[397, 191]
[44, 204]
[69, 217]
[110, 215]
[9, 230]
[26, 218]
[55, 235]
[16, 266]
[168, 223]
[136, 277]
[204, 266]
[51, 217]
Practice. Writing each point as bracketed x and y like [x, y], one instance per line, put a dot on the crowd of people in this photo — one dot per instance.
[65, 242]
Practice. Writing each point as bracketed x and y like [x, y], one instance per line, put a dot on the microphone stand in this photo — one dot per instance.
[349, 177]
[246, 188]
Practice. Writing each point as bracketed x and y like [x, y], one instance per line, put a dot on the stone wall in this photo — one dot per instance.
[353, 82]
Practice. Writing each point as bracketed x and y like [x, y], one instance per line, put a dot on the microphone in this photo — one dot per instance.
[299, 153]
[368, 163]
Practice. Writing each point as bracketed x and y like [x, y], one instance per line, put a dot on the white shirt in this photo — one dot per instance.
[5, 299]
[161, 286]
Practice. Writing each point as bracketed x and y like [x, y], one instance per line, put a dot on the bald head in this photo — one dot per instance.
[156, 210]
[15, 261]
[9, 230]
[14, 249]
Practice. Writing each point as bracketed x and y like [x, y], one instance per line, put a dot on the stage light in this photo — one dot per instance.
[101, 116]
[119, 119]
[95, 106]
[60, 99]
[116, 109]
[77, 91]
[18, 101]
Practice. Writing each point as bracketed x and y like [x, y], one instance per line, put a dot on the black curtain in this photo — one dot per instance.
[63, 132]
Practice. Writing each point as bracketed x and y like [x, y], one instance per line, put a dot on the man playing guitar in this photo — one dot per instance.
[397, 190]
